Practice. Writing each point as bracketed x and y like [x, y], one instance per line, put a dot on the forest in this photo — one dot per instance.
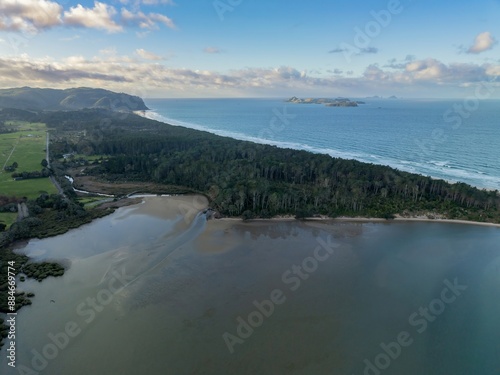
[254, 180]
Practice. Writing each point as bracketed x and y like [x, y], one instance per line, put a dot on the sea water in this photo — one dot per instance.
[446, 139]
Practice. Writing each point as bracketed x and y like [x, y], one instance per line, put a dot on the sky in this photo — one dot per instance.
[254, 48]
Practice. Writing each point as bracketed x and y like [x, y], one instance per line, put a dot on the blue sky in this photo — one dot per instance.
[253, 48]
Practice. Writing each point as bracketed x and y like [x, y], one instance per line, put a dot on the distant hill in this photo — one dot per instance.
[28, 98]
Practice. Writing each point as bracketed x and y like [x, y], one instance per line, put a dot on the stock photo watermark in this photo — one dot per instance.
[364, 36]
[419, 321]
[277, 124]
[455, 117]
[87, 310]
[223, 6]
[292, 278]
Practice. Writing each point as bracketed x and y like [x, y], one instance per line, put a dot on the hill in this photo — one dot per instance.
[28, 98]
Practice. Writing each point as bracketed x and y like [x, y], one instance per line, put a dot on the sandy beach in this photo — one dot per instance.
[369, 220]
[187, 204]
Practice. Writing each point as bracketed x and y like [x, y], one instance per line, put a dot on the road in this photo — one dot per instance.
[60, 191]
[47, 151]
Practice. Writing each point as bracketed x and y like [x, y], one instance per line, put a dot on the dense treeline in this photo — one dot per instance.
[33, 174]
[258, 179]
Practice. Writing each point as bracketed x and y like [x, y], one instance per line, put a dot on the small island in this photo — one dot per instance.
[337, 102]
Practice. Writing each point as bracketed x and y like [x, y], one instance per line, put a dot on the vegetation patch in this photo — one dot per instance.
[22, 150]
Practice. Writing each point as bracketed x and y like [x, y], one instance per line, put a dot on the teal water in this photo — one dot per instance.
[187, 282]
[428, 137]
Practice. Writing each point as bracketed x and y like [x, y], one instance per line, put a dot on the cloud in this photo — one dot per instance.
[147, 2]
[156, 2]
[29, 15]
[98, 17]
[483, 42]
[357, 51]
[27, 70]
[145, 21]
[37, 15]
[147, 55]
[368, 50]
[338, 50]
[335, 71]
[109, 51]
[431, 72]
[149, 78]
[212, 50]
[162, 19]
[70, 38]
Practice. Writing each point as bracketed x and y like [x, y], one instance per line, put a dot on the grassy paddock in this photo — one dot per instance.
[27, 188]
[90, 202]
[27, 146]
[8, 218]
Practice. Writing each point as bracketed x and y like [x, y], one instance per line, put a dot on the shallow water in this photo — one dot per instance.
[149, 291]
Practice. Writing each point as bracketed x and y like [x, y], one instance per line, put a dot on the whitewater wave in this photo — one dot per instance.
[446, 170]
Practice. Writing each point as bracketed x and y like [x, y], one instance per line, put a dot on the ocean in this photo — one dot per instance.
[454, 140]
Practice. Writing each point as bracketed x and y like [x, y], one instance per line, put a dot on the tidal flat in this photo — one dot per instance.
[156, 288]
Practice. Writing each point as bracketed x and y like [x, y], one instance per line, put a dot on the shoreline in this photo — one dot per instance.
[340, 219]
[246, 138]
[346, 219]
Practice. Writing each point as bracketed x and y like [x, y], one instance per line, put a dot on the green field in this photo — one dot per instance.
[90, 202]
[8, 218]
[26, 147]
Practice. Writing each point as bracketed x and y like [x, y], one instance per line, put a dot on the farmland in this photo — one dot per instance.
[26, 147]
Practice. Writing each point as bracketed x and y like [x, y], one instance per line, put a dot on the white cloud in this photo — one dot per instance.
[29, 15]
[150, 78]
[36, 15]
[356, 51]
[212, 50]
[493, 70]
[70, 38]
[162, 19]
[32, 16]
[155, 2]
[145, 21]
[147, 55]
[483, 42]
[147, 2]
[98, 17]
[110, 51]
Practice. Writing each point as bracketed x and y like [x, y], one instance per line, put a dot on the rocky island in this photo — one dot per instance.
[338, 102]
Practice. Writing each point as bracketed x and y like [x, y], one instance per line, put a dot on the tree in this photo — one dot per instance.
[44, 163]
[247, 215]
[302, 214]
